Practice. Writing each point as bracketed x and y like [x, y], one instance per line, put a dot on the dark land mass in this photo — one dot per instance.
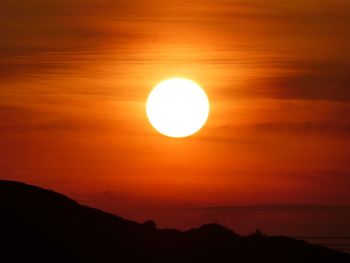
[38, 225]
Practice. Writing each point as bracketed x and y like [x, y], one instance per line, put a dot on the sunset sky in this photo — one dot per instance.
[275, 152]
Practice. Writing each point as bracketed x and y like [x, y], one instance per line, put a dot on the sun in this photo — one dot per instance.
[177, 107]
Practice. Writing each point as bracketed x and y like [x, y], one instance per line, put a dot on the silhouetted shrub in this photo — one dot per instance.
[150, 224]
[258, 233]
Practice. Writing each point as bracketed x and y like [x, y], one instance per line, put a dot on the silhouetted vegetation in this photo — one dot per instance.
[38, 225]
[150, 224]
[258, 233]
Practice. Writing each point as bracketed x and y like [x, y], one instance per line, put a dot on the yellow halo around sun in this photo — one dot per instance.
[177, 107]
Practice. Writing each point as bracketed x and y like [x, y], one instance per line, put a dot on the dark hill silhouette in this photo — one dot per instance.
[39, 225]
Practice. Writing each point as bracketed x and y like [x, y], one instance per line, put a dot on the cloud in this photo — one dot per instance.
[287, 50]
[38, 36]
[279, 208]
[24, 120]
[304, 127]
[326, 80]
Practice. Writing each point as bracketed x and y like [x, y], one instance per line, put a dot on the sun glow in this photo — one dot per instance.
[177, 107]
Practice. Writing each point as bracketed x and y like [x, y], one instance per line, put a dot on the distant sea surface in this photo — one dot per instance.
[337, 243]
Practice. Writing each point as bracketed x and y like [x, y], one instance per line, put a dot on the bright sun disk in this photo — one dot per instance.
[177, 107]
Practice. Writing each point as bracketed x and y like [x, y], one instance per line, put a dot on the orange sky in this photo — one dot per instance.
[75, 75]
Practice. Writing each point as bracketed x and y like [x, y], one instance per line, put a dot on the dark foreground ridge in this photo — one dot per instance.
[39, 225]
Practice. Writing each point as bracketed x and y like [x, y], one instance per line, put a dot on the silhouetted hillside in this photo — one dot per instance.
[38, 225]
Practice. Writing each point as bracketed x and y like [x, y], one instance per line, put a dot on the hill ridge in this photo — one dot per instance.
[46, 226]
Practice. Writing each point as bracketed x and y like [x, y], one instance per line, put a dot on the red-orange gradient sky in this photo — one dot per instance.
[75, 76]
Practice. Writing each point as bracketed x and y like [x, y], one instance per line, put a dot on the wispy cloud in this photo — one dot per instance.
[291, 50]
[280, 208]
